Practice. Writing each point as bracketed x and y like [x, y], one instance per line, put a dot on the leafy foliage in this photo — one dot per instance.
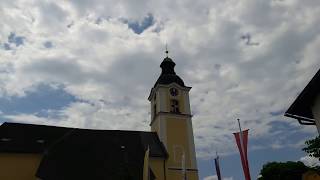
[313, 147]
[283, 171]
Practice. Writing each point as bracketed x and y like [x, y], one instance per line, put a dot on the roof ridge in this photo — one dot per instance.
[64, 127]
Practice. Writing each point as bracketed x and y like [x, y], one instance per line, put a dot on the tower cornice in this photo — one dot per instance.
[170, 114]
[154, 89]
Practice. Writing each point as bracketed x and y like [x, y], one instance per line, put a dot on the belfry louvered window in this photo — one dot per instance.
[174, 106]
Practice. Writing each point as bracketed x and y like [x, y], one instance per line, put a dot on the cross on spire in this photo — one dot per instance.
[167, 52]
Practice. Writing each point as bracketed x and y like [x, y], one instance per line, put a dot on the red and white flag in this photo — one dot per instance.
[242, 143]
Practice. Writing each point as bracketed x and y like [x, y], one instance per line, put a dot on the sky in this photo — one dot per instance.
[92, 64]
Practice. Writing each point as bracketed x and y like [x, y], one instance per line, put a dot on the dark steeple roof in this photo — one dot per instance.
[168, 75]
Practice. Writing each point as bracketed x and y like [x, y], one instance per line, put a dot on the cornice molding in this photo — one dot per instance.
[170, 114]
[167, 86]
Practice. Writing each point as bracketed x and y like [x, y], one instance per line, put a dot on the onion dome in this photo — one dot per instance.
[168, 75]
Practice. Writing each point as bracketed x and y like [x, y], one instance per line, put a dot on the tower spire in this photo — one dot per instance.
[167, 52]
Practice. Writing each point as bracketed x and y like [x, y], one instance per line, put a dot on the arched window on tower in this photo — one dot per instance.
[174, 106]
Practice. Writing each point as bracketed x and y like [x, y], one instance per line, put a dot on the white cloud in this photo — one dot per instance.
[310, 161]
[111, 70]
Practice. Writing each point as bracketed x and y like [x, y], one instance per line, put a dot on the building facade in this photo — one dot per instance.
[306, 107]
[39, 152]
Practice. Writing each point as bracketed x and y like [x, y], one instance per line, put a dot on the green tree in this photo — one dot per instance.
[283, 171]
[313, 147]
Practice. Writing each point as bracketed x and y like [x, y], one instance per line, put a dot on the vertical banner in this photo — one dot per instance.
[216, 162]
[146, 165]
[242, 143]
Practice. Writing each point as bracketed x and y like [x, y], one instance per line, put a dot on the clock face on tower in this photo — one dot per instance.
[173, 91]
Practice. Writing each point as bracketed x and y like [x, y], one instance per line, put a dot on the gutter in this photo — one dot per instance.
[301, 120]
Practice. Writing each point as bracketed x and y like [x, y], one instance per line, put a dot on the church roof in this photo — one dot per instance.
[71, 153]
[28, 138]
[168, 74]
[300, 109]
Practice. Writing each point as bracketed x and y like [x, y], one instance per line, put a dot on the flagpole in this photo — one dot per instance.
[241, 140]
[216, 162]
[243, 149]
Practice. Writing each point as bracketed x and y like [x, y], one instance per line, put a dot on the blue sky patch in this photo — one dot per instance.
[14, 39]
[276, 113]
[48, 44]
[99, 20]
[6, 46]
[139, 27]
[281, 126]
[40, 102]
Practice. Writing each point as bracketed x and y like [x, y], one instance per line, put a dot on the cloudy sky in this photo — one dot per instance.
[92, 63]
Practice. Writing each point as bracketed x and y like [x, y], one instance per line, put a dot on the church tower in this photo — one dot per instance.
[171, 119]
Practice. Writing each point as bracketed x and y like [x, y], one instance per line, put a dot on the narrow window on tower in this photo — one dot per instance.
[154, 110]
[174, 106]
[155, 105]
